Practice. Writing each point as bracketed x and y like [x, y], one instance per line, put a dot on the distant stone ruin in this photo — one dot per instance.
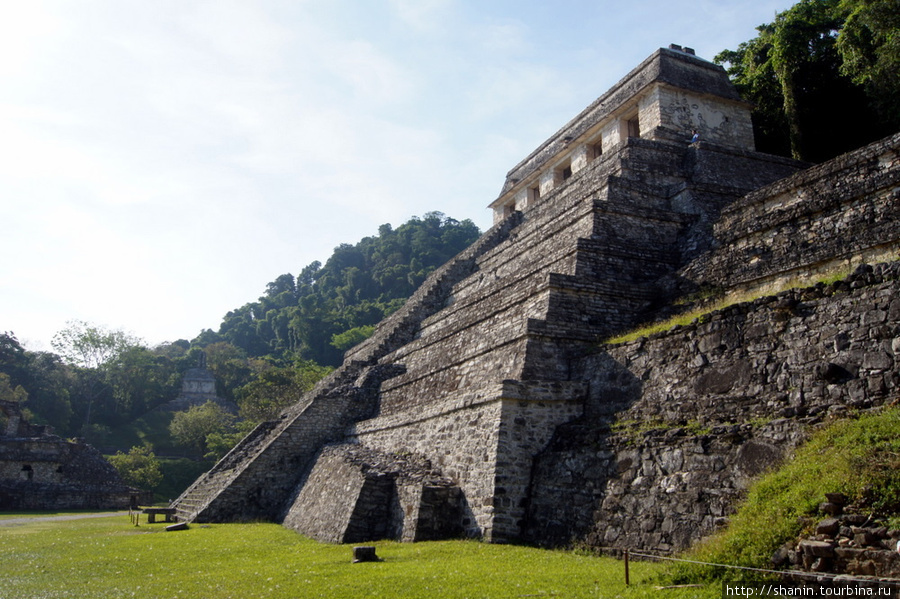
[40, 471]
[198, 386]
[488, 406]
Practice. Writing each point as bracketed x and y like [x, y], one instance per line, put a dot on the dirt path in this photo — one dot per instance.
[32, 519]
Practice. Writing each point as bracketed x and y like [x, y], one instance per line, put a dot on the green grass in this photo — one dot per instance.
[108, 557]
[857, 457]
[712, 303]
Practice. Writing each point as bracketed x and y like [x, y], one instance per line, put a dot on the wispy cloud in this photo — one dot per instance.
[423, 16]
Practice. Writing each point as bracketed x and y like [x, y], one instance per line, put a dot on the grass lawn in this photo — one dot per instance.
[108, 557]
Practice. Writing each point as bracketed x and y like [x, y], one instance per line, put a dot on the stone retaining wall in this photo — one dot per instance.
[844, 211]
[50, 473]
[677, 424]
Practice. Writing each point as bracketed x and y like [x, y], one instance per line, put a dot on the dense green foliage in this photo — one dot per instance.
[178, 474]
[857, 457]
[824, 77]
[276, 388]
[86, 399]
[320, 312]
[138, 468]
[192, 426]
[108, 557]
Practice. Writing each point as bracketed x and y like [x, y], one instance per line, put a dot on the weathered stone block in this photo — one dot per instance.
[829, 527]
[817, 548]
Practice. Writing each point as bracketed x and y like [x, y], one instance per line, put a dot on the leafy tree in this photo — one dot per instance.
[220, 443]
[869, 45]
[140, 380]
[89, 348]
[350, 337]
[803, 39]
[795, 74]
[231, 367]
[10, 393]
[176, 350]
[48, 382]
[13, 358]
[276, 388]
[206, 337]
[138, 468]
[44, 378]
[191, 427]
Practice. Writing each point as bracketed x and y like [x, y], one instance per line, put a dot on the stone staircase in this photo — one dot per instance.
[400, 327]
[254, 478]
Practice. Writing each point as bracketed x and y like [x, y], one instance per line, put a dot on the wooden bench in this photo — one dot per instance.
[153, 512]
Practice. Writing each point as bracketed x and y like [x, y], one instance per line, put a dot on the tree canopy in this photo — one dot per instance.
[326, 308]
[138, 468]
[823, 77]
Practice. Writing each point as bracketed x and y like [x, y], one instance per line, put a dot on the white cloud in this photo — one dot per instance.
[423, 16]
[26, 29]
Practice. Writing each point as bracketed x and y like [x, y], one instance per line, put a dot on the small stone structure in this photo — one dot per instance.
[486, 405]
[40, 471]
[198, 386]
[845, 543]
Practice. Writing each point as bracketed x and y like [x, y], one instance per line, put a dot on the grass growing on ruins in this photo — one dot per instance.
[711, 303]
[107, 557]
[858, 457]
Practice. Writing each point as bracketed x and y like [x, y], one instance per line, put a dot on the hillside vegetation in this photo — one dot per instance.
[264, 355]
[328, 308]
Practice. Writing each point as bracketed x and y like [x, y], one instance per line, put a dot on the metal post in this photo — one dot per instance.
[627, 582]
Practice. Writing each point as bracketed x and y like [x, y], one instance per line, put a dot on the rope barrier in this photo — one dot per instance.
[794, 573]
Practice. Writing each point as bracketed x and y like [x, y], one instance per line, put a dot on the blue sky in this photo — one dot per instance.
[162, 161]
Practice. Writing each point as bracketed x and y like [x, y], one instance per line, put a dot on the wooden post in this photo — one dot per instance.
[627, 582]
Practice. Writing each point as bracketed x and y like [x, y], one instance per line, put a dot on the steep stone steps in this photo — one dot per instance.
[192, 504]
[273, 457]
[401, 326]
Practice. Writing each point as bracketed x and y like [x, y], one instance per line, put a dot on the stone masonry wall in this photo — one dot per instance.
[677, 424]
[572, 271]
[840, 212]
[484, 443]
[50, 473]
[460, 443]
[356, 494]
